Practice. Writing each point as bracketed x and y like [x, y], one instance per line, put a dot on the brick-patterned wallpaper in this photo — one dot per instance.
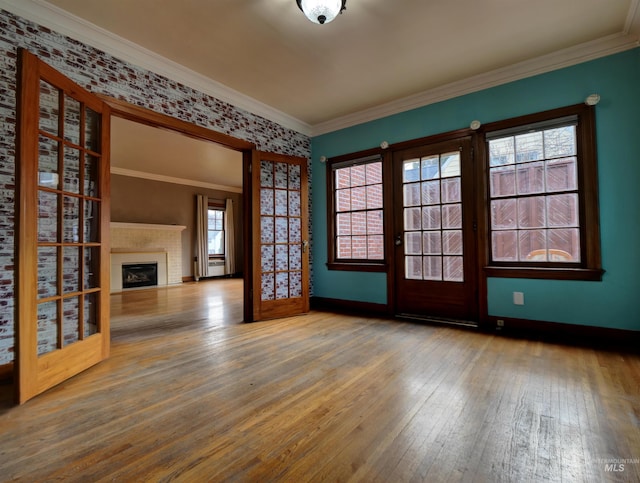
[102, 73]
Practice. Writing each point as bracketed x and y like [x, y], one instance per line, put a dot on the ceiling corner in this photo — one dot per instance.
[60, 21]
[632, 25]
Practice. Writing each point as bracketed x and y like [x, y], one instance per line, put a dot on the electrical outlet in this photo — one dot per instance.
[518, 298]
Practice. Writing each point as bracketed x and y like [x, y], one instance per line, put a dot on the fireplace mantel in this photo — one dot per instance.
[139, 250]
[146, 226]
[146, 242]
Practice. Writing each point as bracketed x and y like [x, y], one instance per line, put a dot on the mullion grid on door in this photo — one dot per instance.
[433, 240]
[281, 238]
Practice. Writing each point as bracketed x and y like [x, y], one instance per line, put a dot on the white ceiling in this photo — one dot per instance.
[378, 58]
[146, 152]
[377, 52]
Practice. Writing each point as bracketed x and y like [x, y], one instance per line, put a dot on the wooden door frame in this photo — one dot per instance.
[479, 216]
[151, 118]
[269, 309]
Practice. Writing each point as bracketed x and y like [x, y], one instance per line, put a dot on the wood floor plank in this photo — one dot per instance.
[190, 393]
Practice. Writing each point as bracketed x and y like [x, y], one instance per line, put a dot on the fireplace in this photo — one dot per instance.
[138, 243]
[128, 257]
[139, 275]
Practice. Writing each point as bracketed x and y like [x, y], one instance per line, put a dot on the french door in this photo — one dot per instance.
[63, 227]
[280, 248]
[434, 241]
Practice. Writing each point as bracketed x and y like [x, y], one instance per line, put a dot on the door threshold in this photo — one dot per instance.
[437, 320]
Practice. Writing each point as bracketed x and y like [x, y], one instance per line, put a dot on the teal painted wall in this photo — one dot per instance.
[615, 301]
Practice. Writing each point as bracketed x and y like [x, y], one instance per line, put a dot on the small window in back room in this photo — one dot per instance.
[216, 232]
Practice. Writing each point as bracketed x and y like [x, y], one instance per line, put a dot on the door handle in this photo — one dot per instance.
[398, 240]
[305, 244]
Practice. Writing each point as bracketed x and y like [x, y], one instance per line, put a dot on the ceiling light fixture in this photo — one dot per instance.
[321, 11]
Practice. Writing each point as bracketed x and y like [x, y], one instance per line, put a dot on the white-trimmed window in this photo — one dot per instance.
[215, 231]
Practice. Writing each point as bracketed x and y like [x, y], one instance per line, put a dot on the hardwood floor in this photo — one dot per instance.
[192, 394]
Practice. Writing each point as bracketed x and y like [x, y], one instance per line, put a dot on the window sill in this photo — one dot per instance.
[586, 274]
[357, 266]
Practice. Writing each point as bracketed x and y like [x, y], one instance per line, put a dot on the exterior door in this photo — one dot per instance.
[280, 236]
[434, 231]
[63, 228]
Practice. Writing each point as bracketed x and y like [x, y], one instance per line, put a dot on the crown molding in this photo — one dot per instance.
[170, 179]
[45, 14]
[557, 60]
[60, 21]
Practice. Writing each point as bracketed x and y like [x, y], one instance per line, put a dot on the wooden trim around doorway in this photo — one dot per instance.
[151, 118]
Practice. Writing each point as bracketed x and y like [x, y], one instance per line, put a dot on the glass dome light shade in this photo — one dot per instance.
[321, 11]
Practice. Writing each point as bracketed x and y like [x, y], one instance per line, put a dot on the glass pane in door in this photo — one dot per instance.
[68, 219]
[47, 272]
[49, 108]
[47, 162]
[47, 327]
[91, 164]
[281, 231]
[72, 120]
[47, 217]
[92, 130]
[71, 174]
[432, 215]
[90, 314]
[71, 270]
[71, 220]
[70, 317]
